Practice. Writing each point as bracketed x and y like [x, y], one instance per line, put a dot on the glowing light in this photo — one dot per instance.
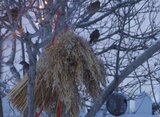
[41, 7]
[45, 2]
[42, 17]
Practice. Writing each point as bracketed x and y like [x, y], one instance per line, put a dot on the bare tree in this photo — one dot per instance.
[1, 105]
[128, 42]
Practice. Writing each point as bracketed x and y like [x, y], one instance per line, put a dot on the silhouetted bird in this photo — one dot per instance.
[14, 14]
[94, 36]
[25, 66]
[93, 7]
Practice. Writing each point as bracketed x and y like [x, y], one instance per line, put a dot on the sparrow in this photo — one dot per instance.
[14, 14]
[93, 7]
[25, 66]
[94, 36]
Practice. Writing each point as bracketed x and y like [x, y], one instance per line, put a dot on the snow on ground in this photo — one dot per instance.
[9, 110]
[135, 115]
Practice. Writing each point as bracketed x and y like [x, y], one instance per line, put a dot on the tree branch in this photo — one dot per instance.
[31, 79]
[130, 68]
[109, 11]
[13, 70]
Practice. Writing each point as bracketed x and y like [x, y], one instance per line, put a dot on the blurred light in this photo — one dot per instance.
[41, 7]
[42, 17]
[45, 2]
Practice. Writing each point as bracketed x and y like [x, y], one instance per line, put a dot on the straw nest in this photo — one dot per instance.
[66, 72]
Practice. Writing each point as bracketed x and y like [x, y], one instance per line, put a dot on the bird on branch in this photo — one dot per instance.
[94, 36]
[93, 7]
[14, 14]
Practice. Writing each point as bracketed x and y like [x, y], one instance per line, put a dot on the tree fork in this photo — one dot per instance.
[124, 73]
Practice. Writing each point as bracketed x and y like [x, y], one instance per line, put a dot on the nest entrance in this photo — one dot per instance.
[66, 68]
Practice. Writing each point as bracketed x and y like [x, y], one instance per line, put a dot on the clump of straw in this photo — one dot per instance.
[67, 68]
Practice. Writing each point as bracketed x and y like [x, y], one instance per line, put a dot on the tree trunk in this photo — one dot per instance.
[130, 68]
[30, 89]
[31, 80]
[1, 105]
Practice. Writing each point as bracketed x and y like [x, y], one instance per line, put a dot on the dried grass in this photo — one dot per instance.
[66, 68]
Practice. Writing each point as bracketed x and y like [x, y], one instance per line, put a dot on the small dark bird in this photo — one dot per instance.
[14, 14]
[93, 7]
[25, 66]
[94, 36]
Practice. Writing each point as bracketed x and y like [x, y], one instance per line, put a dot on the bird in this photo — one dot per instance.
[25, 66]
[94, 36]
[93, 7]
[14, 14]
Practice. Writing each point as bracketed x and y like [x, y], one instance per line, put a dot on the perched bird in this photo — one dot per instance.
[25, 66]
[93, 7]
[94, 36]
[14, 14]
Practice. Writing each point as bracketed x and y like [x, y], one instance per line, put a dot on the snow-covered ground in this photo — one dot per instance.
[9, 110]
[143, 108]
[135, 115]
